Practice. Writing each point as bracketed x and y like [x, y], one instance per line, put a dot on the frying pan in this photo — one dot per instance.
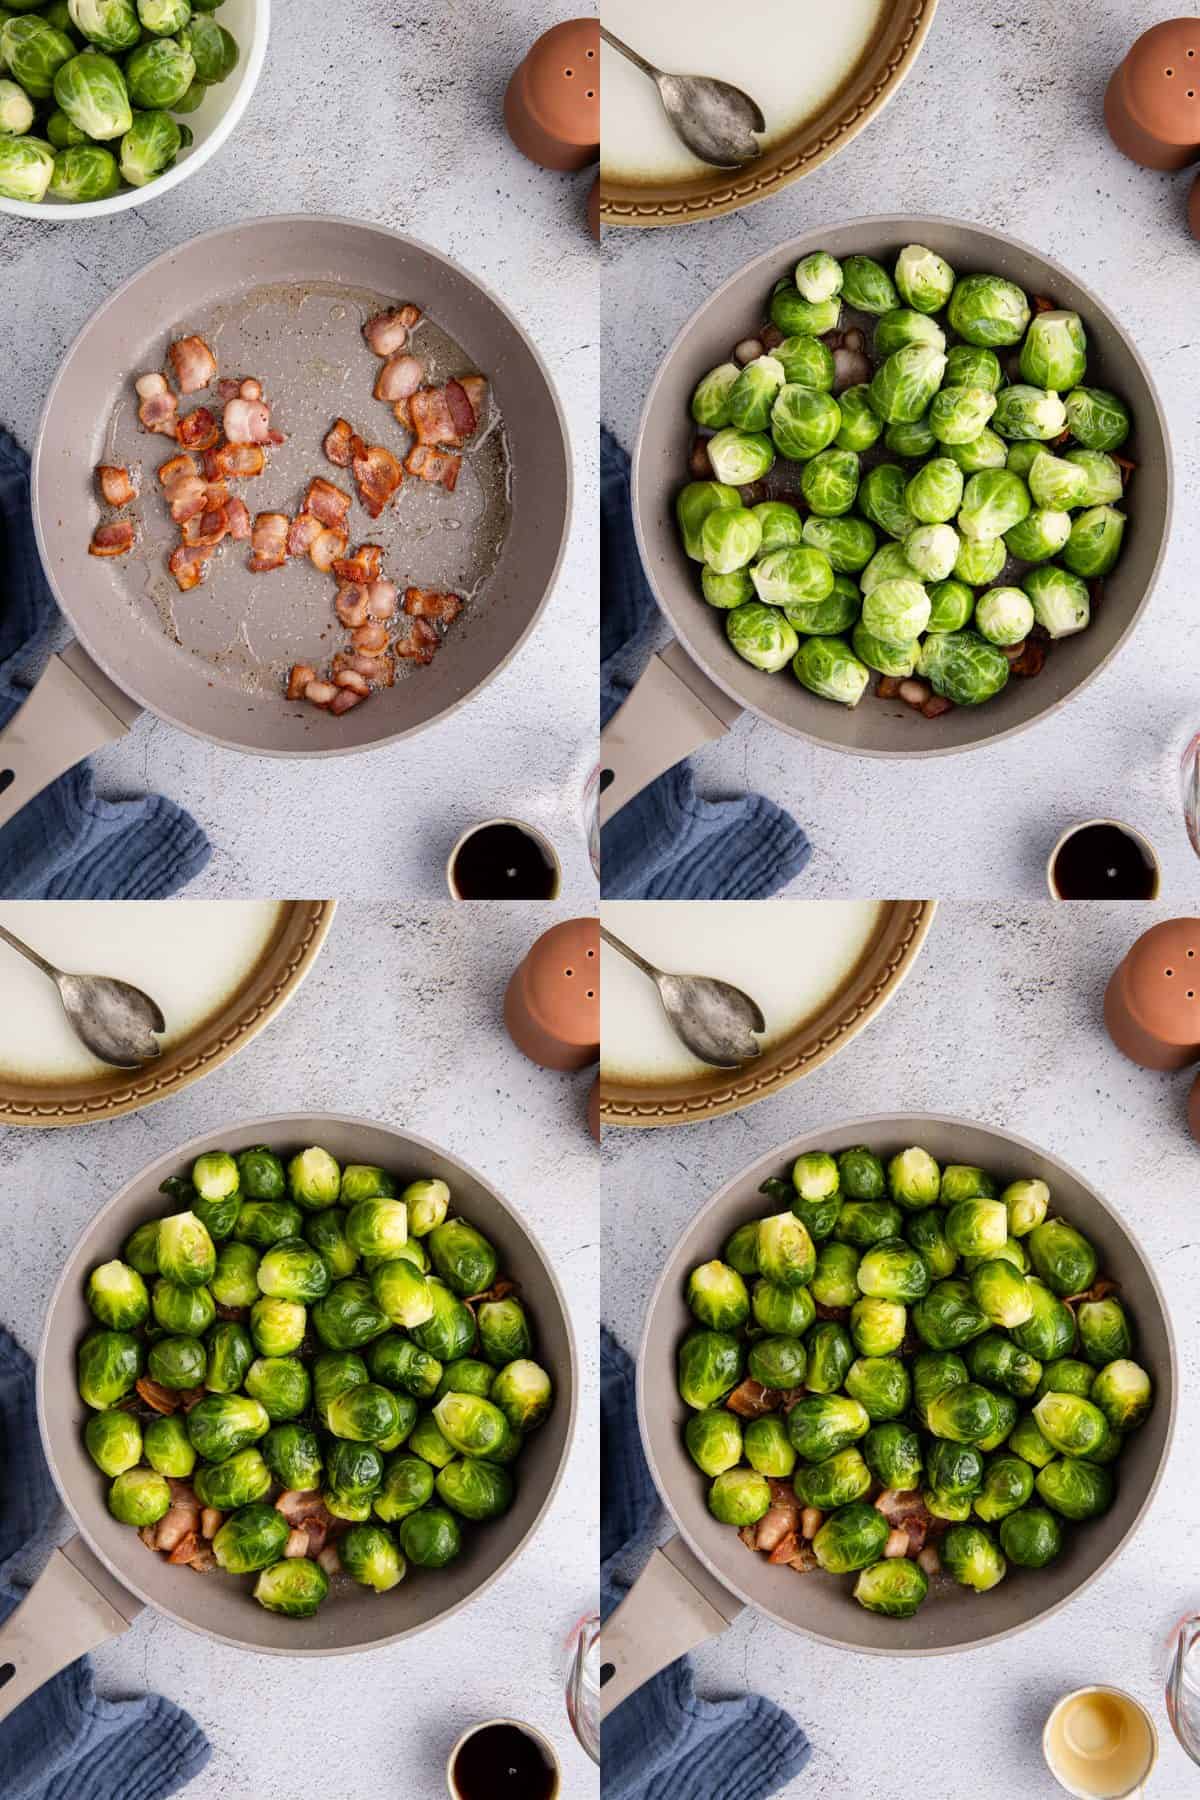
[95, 1586]
[701, 1580]
[696, 689]
[284, 299]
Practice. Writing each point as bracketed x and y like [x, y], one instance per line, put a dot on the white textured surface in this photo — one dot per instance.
[386, 110]
[430, 1052]
[1000, 121]
[999, 1021]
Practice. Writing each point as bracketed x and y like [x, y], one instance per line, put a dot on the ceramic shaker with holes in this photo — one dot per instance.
[1152, 1003]
[552, 1006]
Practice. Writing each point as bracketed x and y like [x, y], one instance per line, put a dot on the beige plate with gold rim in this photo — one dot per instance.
[864, 92]
[262, 992]
[865, 990]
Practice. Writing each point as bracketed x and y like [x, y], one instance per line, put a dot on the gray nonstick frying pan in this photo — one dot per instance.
[697, 688]
[284, 300]
[701, 1580]
[95, 1586]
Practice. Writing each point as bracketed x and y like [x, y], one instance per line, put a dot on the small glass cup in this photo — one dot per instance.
[1183, 1685]
[583, 1684]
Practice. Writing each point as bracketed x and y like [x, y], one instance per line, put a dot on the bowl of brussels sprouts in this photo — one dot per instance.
[835, 490]
[953, 1386]
[290, 1310]
[103, 102]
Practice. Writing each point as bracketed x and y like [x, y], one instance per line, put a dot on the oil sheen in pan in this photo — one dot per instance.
[304, 342]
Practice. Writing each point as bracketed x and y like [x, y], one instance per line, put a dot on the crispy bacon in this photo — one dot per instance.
[206, 528]
[299, 676]
[787, 1547]
[268, 542]
[228, 389]
[327, 503]
[388, 332]
[379, 671]
[296, 1544]
[193, 362]
[189, 565]
[351, 605]
[303, 533]
[378, 476]
[402, 414]
[321, 693]
[423, 603]
[371, 638]
[197, 430]
[936, 705]
[203, 1561]
[432, 420]
[161, 1399]
[434, 466]
[116, 488]
[249, 422]
[1099, 1290]
[240, 460]
[461, 410]
[237, 519]
[326, 549]
[175, 1527]
[187, 496]
[186, 1549]
[421, 644]
[363, 567]
[339, 443]
[1031, 660]
[113, 539]
[780, 1521]
[158, 405]
[175, 469]
[475, 387]
[382, 599]
[750, 1399]
[399, 378]
[345, 700]
[329, 1560]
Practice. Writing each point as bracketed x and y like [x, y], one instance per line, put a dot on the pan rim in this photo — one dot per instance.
[193, 1147]
[340, 221]
[857, 1129]
[800, 245]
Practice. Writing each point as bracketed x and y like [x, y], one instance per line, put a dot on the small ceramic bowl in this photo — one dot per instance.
[1147, 848]
[1112, 1752]
[547, 1748]
[212, 122]
[531, 831]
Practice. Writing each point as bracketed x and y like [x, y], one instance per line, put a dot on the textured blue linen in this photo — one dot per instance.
[63, 1743]
[663, 1743]
[67, 844]
[668, 843]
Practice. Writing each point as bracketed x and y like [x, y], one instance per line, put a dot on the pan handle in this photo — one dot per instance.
[673, 710]
[73, 710]
[674, 1605]
[74, 1606]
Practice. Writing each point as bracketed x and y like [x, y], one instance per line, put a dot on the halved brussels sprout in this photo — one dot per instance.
[861, 426]
[1095, 542]
[753, 393]
[278, 1326]
[988, 311]
[1123, 1392]
[523, 1392]
[139, 1497]
[948, 1317]
[114, 1441]
[1097, 419]
[795, 316]
[830, 1352]
[997, 1362]
[867, 286]
[430, 1538]
[108, 1363]
[295, 1588]
[818, 276]
[167, 1447]
[822, 1424]
[292, 1453]
[1104, 1332]
[252, 1538]
[1031, 1537]
[1073, 1425]
[903, 387]
[230, 1353]
[710, 398]
[972, 1557]
[1061, 604]
[905, 325]
[804, 420]
[892, 1452]
[117, 1296]
[1062, 1257]
[851, 1538]
[766, 1445]
[895, 1587]
[739, 457]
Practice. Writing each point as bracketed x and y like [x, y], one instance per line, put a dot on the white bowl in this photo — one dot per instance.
[212, 122]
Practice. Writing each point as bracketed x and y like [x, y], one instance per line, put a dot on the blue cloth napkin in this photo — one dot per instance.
[663, 1743]
[63, 1743]
[67, 844]
[668, 844]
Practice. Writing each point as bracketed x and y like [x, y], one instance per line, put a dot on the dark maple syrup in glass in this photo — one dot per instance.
[1103, 862]
[503, 862]
[502, 1762]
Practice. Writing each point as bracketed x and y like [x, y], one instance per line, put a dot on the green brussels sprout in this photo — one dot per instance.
[825, 618]
[795, 316]
[730, 538]
[398, 1363]
[847, 544]
[767, 1447]
[1073, 1425]
[295, 1587]
[109, 1363]
[1054, 354]
[963, 1181]
[860, 1174]
[895, 1587]
[829, 482]
[364, 1413]
[428, 1201]
[753, 393]
[714, 1440]
[867, 287]
[111, 25]
[1007, 1485]
[239, 1480]
[957, 415]
[1049, 1332]
[315, 1180]
[1028, 412]
[1025, 1203]
[948, 1317]
[910, 438]
[91, 90]
[1039, 536]
[477, 1490]
[408, 1484]
[934, 494]
[892, 1452]
[934, 1372]
[822, 1424]
[1123, 1393]
[1066, 1375]
[786, 1254]
[988, 311]
[1108, 1449]
[139, 1497]
[186, 1253]
[819, 276]
[835, 1482]
[292, 1453]
[806, 361]
[861, 426]
[116, 1295]
[222, 1424]
[830, 1351]
[971, 1556]
[426, 1441]
[1102, 475]
[167, 1447]
[150, 145]
[798, 574]
[739, 457]
[993, 502]
[114, 1441]
[230, 1353]
[977, 1227]
[893, 1270]
[251, 1539]
[183, 1311]
[969, 366]
[866, 1222]
[815, 1176]
[215, 1175]
[292, 1270]
[896, 611]
[784, 1312]
[260, 1174]
[1055, 483]
[1061, 604]
[965, 1413]
[326, 1232]
[1094, 544]
[430, 1538]
[164, 17]
[979, 561]
[33, 51]
[924, 279]
[761, 635]
[996, 1361]
[1031, 1537]
[987, 451]
[504, 1333]
[354, 1474]
[235, 1278]
[451, 1330]
[945, 1506]
[348, 1316]
[467, 1375]
[851, 1538]
[523, 1392]
[1104, 1332]
[887, 659]
[882, 497]
[889, 563]
[931, 551]
[16, 111]
[777, 1362]
[881, 1385]
[710, 398]
[265, 1222]
[402, 1293]
[739, 1497]
[1007, 1413]
[726, 591]
[1062, 1257]
[834, 1281]
[1076, 1489]
[902, 388]
[925, 1232]
[1026, 1441]
[780, 524]
[278, 1326]
[1001, 1292]
[283, 1385]
[1095, 418]
[692, 506]
[159, 72]
[954, 1470]
[951, 606]
[140, 1250]
[903, 325]
[472, 1426]
[804, 420]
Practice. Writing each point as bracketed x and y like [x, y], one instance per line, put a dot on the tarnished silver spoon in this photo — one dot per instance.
[713, 118]
[113, 1019]
[714, 1019]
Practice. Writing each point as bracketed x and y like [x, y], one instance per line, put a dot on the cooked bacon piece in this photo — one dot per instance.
[113, 539]
[363, 567]
[321, 693]
[298, 1504]
[1099, 1290]
[158, 404]
[268, 542]
[193, 362]
[186, 497]
[339, 443]
[299, 676]
[422, 603]
[211, 1521]
[203, 1561]
[303, 533]
[378, 476]
[197, 430]
[1031, 660]
[189, 565]
[785, 1549]
[750, 1399]
[434, 466]
[371, 639]
[249, 422]
[936, 706]
[780, 1520]
[499, 1290]
[432, 420]
[1126, 467]
[185, 1549]
[326, 502]
[175, 469]
[163, 1400]
[403, 414]
[348, 678]
[399, 378]
[811, 1521]
[914, 692]
[805, 1561]
[475, 387]
[388, 332]
[250, 389]
[896, 1544]
[228, 389]
[232, 460]
[190, 1397]
[351, 605]
[345, 700]
[207, 528]
[296, 1544]
[420, 645]
[237, 520]
[175, 1526]
[382, 599]
[380, 671]
[325, 550]
[929, 1560]
[116, 489]
[461, 410]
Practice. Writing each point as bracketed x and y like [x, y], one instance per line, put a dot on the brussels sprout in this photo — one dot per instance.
[761, 636]
[819, 276]
[925, 1232]
[793, 575]
[934, 1372]
[851, 1538]
[159, 72]
[117, 1296]
[965, 1413]
[141, 1248]
[1055, 483]
[892, 1452]
[401, 1292]
[292, 1453]
[91, 90]
[222, 1424]
[993, 502]
[282, 1384]
[251, 1539]
[714, 1440]
[710, 399]
[1026, 1441]
[1066, 1375]
[1095, 418]
[186, 1253]
[33, 52]
[1104, 1333]
[426, 1441]
[987, 451]
[398, 1363]
[278, 1326]
[834, 1281]
[893, 1270]
[1049, 1332]
[292, 1270]
[183, 1311]
[785, 1251]
[1007, 1485]
[860, 427]
[977, 1227]
[881, 496]
[1001, 1292]
[767, 1447]
[477, 1490]
[430, 1538]
[867, 286]
[904, 326]
[888, 659]
[896, 611]
[1054, 354]
[149, 146]
[903, 387]
[523, 1392]
[977, 564]
[780, 524]
[829, 482]
[753, 393]
[1061, 604]
[986, 310]
[295, 1587]
[348, 1315]
[822, 1424]
[111, 25]
[1101, 473]
[139, 1497]
[1028, 412]
[777, 1362]
[860, 1173]
[881, 1385]
[214, 1176]
[1123, 1393]
[1007, 1413]
[1073, 1425]
[260, 1174]
[795, 316]
[804, 420]
[230, 1353]
[466, 1375]
[16, 110]
[931, 551]
[948, 1317]
[167, 1447]
[1026, 1203]
[1095, 542]
[830, 1352]
[333, 1373]
[1108, 1449]
[924, 279]
[805, 361]
[739, 1497]
[835, 1482]
[1076, 1489]
[945, 1506]
[726, 591]
[710, 1365]
[114, 1441]
[164, 17]
[326, 1232]
[889, 563]
[1039, 536]
[957, 415]
[109, 1363]
[784, 1312]
[934, 494]
[971, 1556]
[954, 1470]
[997, 1362]
[825, 618]
[1031, 1538]
[451, 1330]
[504, 1333]
[692, 506]
[365, 1413]
[969, 366]
[1063, 1258]
[895, 1587]
[739, 457]
[730, 538]
[265, 1222]
[408, 1484]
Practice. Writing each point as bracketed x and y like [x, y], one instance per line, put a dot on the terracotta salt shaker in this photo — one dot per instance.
[1152, 1003]
[552, 1006]
[1152, 105]
[552, 107]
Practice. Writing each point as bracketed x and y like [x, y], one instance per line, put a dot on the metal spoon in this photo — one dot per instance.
[713, 1018]
[113, 1019]
[713, 118]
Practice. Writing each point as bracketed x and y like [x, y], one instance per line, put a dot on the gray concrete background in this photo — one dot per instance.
[430, 1052]
[1000, 1021]
[386, 110]
[999, 123]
